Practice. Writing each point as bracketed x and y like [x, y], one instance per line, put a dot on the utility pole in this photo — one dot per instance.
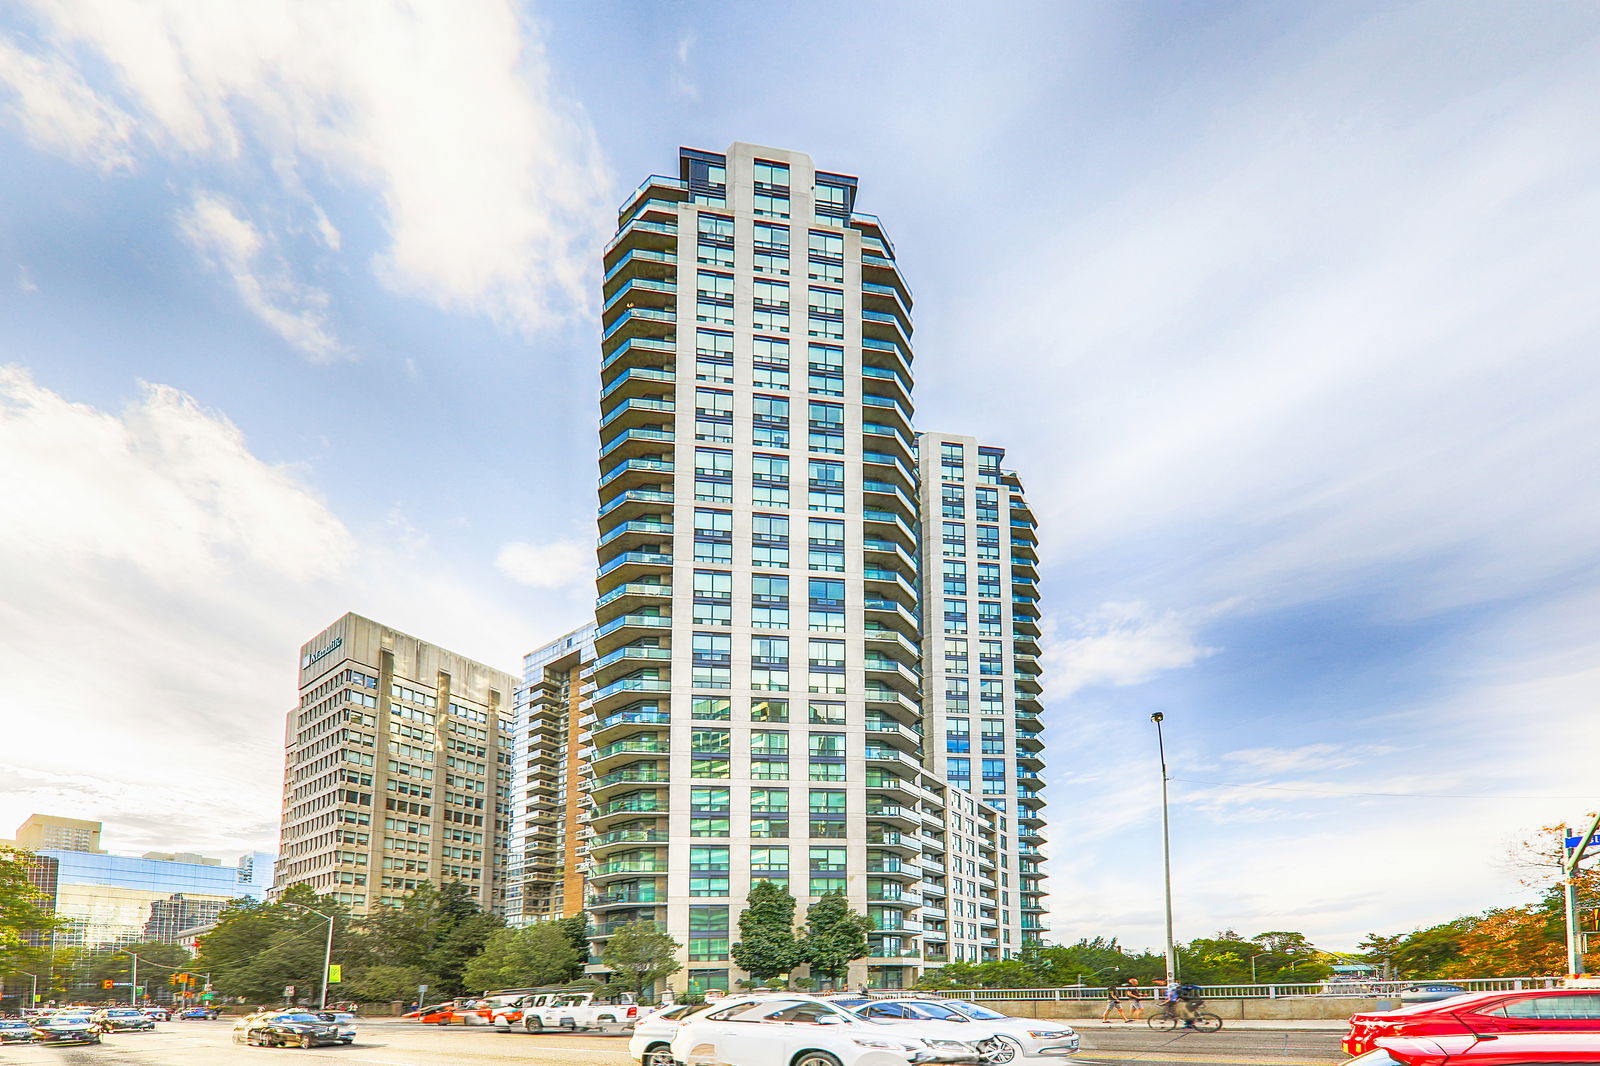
[1253, 959]
[33, 996]
[1166, 849]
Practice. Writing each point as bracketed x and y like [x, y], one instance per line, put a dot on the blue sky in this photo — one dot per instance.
[1284, 312]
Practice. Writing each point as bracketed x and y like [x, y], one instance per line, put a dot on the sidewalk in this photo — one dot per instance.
[1088, 1025]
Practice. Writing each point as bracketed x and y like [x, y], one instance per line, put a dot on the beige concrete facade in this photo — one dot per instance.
[397, 768]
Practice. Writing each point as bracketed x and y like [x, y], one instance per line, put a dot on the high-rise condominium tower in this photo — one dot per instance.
[397, 769]
[757, 706]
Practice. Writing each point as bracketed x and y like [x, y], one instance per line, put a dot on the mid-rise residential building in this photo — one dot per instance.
[397, 769]
[757, 703]
[543, 863]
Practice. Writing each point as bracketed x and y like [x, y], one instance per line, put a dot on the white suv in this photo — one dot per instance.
[651, 1041]
[793, 1030]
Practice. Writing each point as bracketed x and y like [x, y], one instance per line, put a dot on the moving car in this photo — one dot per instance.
[66, 1027]
[16, 1031]
[283, 1028]
[1431, 992]
[159, 1014]
[116, 1019]
[197, 1013]
[795, 1030]
[438, 1014]
[1464, 1049]
[651, 1041]
[1491, 1013]
[345, 1020]
[1019, 1038]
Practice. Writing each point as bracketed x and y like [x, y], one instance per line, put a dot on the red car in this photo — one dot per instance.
[436, 1015]
[1531, 1010]
[1463, 1049]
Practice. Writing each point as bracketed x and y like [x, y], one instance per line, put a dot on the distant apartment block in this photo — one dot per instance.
[397, 769]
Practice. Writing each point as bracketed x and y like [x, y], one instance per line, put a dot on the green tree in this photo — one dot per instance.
[435, 930]
[640, 954]
[766, 945]
[577, 930]
[157, 961]
[381, 983]
[24, 912]
[259, 948]
[538, 954]
[836, 936]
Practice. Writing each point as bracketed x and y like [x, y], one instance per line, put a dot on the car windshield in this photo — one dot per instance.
[126, 1012]
[69, 1018]
[972, 1010]
[308, 1019]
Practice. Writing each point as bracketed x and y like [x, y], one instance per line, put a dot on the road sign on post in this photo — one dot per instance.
[335, 973]
[288, 990]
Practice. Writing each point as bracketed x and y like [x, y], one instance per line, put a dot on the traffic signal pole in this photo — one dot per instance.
[1569, 869]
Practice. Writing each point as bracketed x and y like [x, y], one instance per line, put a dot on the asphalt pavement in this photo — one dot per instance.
[391, 1043]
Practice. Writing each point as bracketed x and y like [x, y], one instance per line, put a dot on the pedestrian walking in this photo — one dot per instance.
[1113, 1003]
[1136, 998]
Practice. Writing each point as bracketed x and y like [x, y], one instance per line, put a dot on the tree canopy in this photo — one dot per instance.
[641, 954]
[836, 935]
[767, 946]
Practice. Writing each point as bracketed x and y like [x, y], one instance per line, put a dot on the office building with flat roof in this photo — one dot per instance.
[397, 769]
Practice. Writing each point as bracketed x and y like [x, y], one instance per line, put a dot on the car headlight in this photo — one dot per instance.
[886, 1045]
[1049, 1034]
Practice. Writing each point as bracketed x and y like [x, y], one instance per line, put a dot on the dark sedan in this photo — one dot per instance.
[286, 1029]
[115, 1019]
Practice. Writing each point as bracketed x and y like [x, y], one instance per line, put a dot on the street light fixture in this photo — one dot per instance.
[1166, 849]
[33, 996]
[1253, 959]
[327, 955]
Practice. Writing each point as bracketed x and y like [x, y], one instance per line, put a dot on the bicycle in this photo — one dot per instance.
[1166, 1019]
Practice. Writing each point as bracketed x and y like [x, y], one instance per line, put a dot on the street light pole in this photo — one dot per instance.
[33, 996]
[327, 955]
[133, 981]
[1253, 959]
[1166, 849]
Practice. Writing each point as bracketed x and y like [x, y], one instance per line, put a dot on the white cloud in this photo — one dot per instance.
[61, 113]
[1120, 644]
[488, 181]
[233, 245]
[156, 579]
[563, 564]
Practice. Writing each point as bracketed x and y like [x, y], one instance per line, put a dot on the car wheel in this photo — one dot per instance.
[1000, 1049]
[815, 1058]
[657, 1055]
[306, 1041]
[348, 1042]
[532, 1025]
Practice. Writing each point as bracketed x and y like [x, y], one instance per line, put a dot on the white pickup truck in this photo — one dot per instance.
[538, 1012]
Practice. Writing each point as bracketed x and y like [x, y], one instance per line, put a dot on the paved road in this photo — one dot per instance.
[383, 1043]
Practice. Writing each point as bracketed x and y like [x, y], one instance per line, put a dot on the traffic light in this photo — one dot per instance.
[108, 983]
[183, 978]
[172, 978]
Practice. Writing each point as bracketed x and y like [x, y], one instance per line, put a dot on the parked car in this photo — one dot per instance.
[1524, 1011]
[16, 1031]
[197, 1014]
[1464, 1049]
[114, 1019]
[650, 1044]
[1019, 1038]
[284, 1028]
[66, 1027]
[580, 1010]
[795, 1030]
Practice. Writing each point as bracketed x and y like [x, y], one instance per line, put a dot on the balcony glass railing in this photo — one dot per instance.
[634, 684]
[637, 404]
[641, 466]
[643, 526]
[632, 652]
[635, 496]
[640, 557]
[632, 747]
[636, 895]
[637, 228]
[640, 346]
[640, 316]
[644, 257]
[632, 436]
[640, 285]
[632, 806]
[631, 866]
[634, 718]
[625, 776]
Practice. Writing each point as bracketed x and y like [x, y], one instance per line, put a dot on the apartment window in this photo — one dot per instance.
[955, 655]
[833, 201]
[771, 205]
[825, 314]
[769, 528]
[989, 619]
[711, 708]
[767, 859]
[825, 423]
[953, 501]
[769, 658]
[771, 176]
[821, 886]
[769, 742]
[771, 305]
[825, 257]
[960, 772]
[713, 354]
[708, 886]
[770, 361]
[988, 542]
[826, 713]
[715, 244]
[988, 505]
[957, 690]
[989, 465]
[714, 298]
[952, 462]
[955, 616]
[713, 536]
[769, 710]
[954, 538]
[772, 249]
[955, 577]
